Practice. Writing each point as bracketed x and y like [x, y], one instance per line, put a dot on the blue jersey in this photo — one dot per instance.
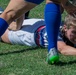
[41, 37]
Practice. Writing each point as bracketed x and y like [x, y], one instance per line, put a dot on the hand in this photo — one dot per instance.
[13, 26]
[70, 8]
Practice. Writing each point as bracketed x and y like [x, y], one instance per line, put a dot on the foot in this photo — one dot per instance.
[52, 56]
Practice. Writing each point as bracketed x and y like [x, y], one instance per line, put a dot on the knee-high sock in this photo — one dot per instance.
[52, 20]
[3, 26]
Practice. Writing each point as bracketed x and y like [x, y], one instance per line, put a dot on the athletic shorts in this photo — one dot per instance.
[22, 38]
[25, 36]
[35, 1]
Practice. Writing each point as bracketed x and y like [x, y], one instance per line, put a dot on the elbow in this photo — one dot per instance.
[62, 51]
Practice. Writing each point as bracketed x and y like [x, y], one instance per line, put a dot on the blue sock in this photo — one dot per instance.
[52, 21]
[3, 26]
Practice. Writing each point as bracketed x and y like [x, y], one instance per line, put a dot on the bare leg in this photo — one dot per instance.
[15, 9]
[52, 22]
[4, 37]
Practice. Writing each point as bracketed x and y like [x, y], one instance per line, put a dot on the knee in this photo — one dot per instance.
[9, 16]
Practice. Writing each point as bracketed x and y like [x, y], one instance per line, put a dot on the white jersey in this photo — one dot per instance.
[32, 33]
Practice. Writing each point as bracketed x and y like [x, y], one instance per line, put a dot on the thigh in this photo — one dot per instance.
[4, 37]
[16, 8]
[21, 37]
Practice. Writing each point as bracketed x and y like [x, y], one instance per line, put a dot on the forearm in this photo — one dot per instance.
[65, 3]
[67, 50]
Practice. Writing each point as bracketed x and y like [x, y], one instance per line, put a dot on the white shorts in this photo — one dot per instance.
[21, 38]
[25, 36]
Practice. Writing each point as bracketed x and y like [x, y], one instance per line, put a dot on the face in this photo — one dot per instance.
[71, 34]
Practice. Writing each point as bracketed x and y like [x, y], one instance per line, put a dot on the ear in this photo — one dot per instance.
[65, 28]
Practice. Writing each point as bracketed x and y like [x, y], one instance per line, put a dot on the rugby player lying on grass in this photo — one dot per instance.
[33, 33]
[52, 8]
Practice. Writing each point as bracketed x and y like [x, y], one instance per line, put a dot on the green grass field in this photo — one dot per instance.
[23, 60]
